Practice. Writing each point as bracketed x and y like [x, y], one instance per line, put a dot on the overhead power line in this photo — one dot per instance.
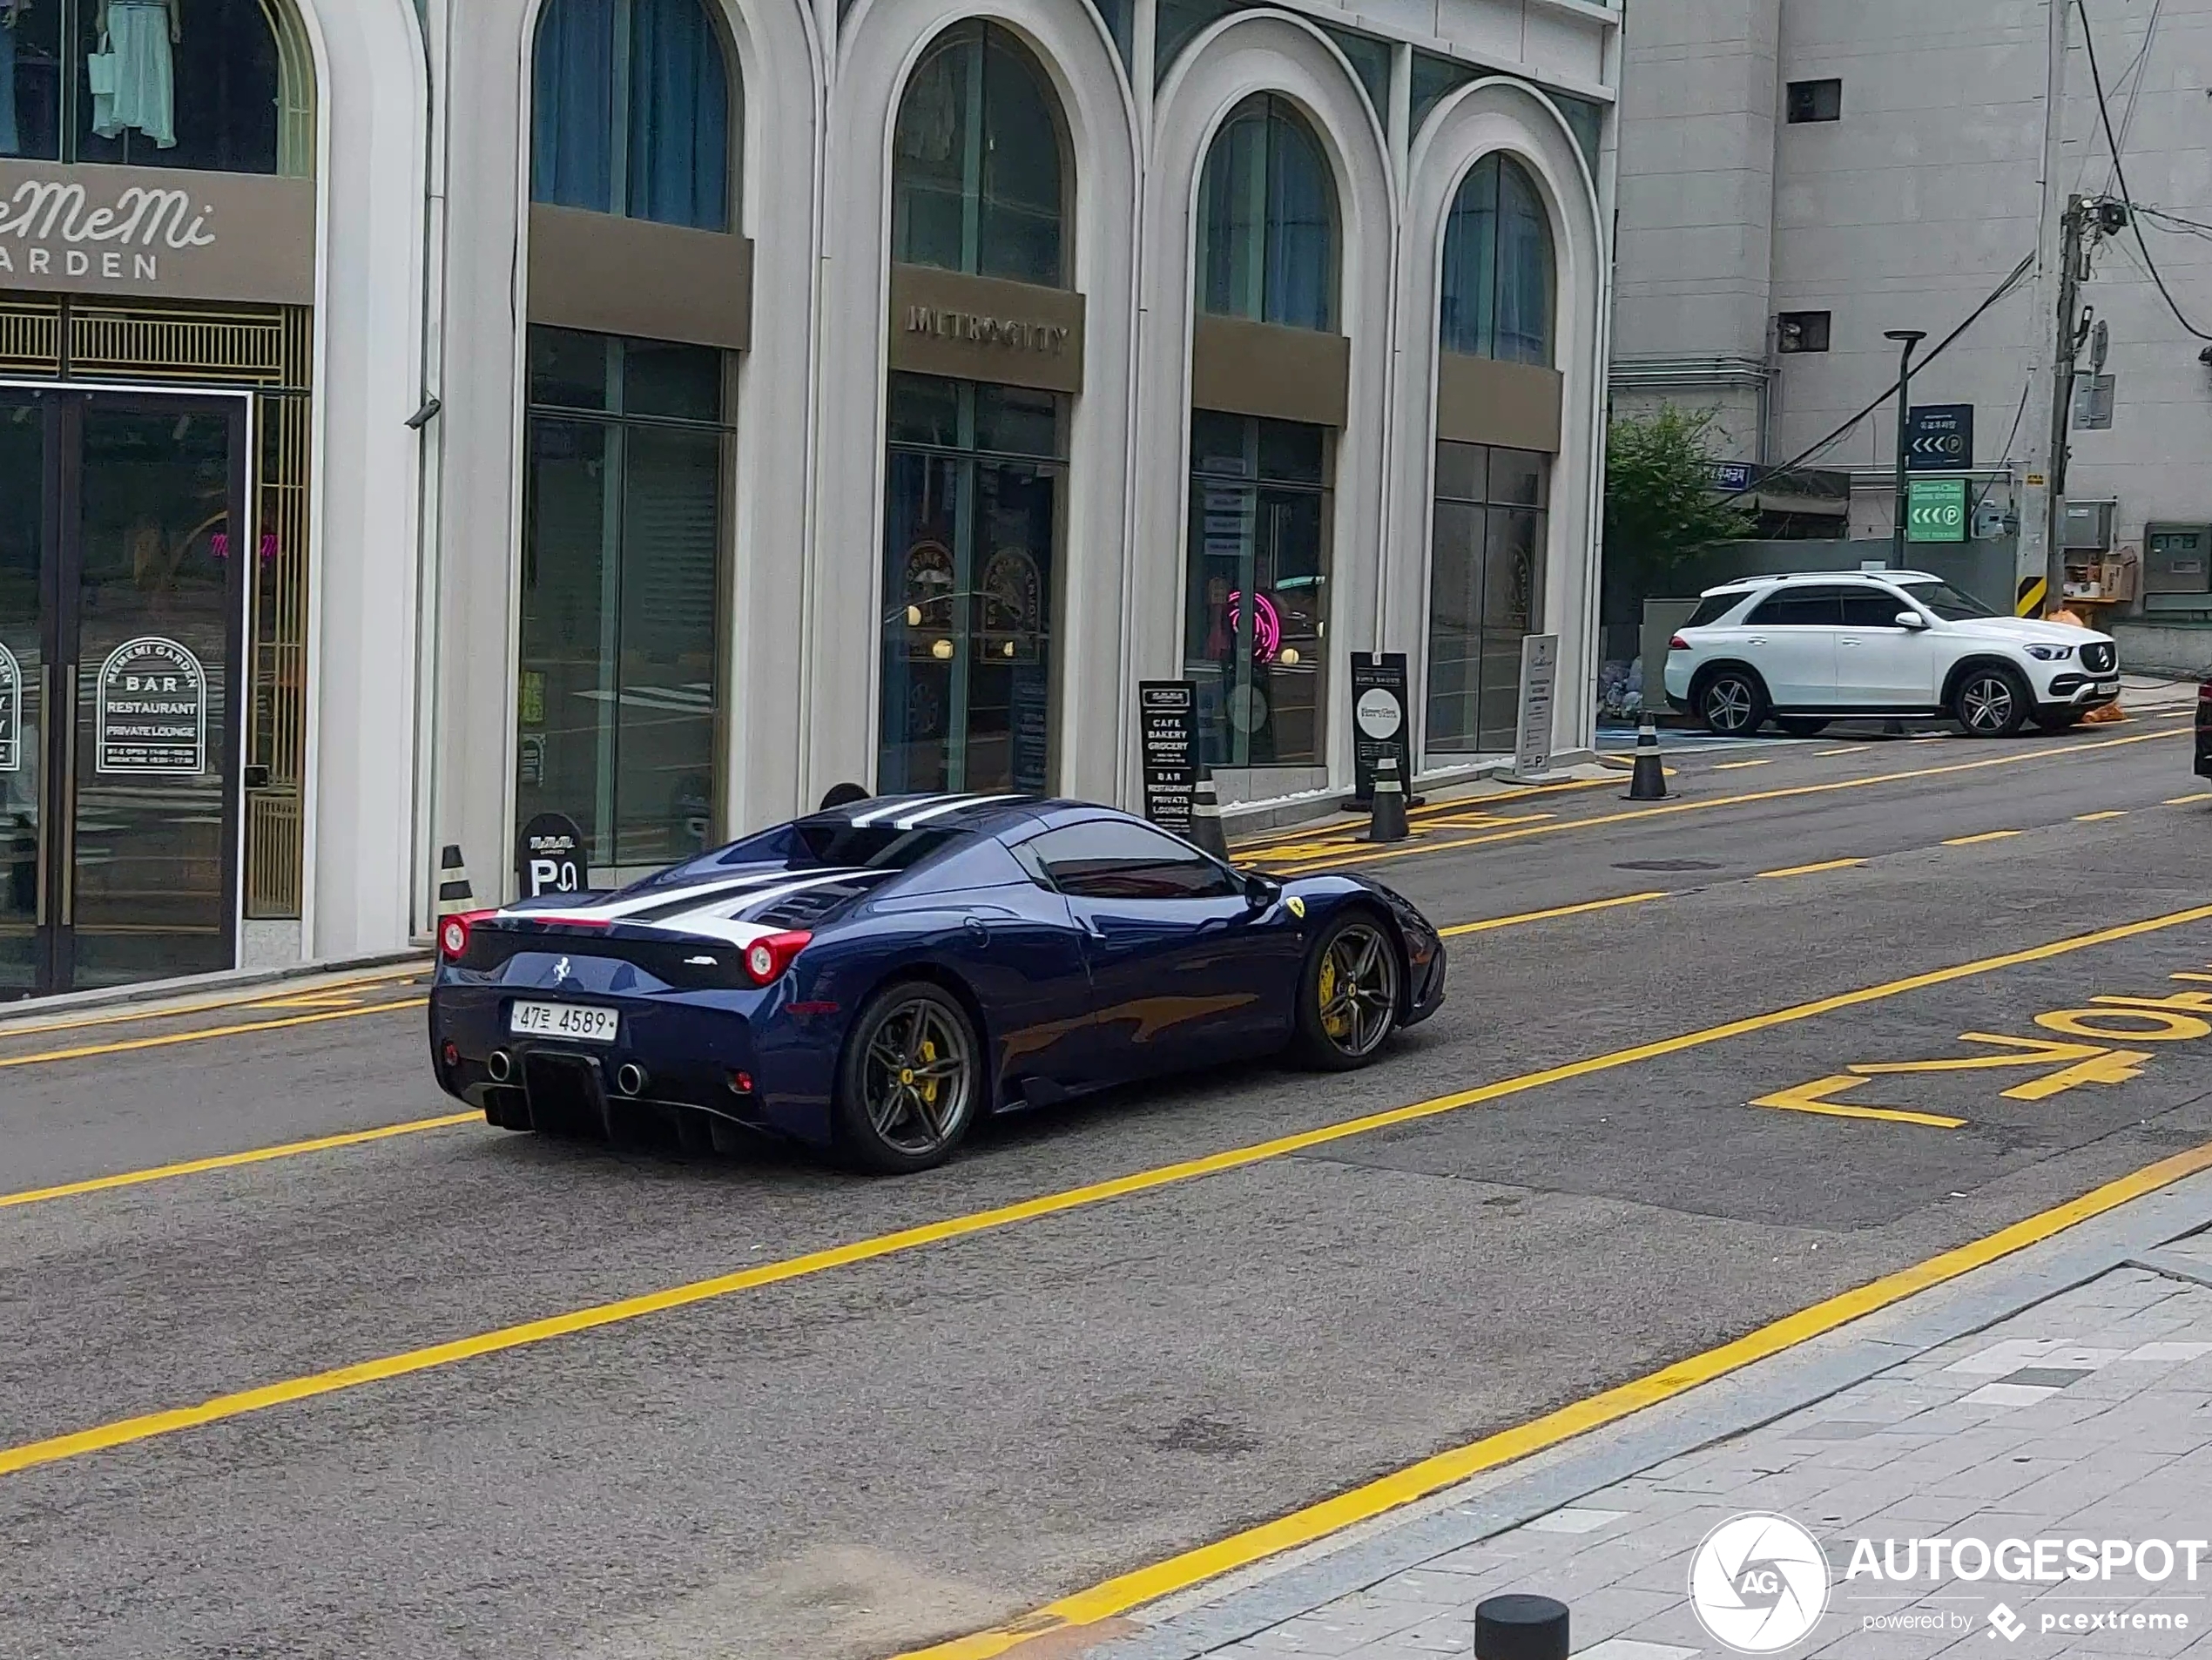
[2119, 174]
[1975, 316]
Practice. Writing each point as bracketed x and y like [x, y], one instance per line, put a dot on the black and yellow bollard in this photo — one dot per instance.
[1205, 819]
[454, 893]
[1648, 781]
[1387, 821]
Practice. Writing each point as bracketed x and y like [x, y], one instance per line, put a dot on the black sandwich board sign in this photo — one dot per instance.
[549, 857]
[1167, 729]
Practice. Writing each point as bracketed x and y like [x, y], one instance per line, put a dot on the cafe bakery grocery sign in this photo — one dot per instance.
[156, 232]
[151, 709]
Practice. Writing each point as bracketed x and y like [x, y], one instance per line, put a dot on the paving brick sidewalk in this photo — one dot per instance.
[2089, 1415]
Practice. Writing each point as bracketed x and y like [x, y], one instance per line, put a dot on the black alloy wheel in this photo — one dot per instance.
[1348, 996]
[908, 1086]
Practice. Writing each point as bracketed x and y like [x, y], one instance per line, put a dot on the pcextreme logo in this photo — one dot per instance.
[1758, 1583]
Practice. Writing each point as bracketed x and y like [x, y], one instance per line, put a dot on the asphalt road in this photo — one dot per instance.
[866, 1450]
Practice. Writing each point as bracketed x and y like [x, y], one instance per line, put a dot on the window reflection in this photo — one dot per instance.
[630, 111]
[977, 163]
[1256, 609]
[972, 533]
[1267, 221]
[1498, 266]
[621, 572]
[1485, 592]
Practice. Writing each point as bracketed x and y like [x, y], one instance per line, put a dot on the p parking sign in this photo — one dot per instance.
[1936, 510]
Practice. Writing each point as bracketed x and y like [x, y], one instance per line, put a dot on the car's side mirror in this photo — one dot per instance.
[1260, 892]
[1912, 620]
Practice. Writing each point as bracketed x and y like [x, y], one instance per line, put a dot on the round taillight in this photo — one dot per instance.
[762, 962]
[453, 936]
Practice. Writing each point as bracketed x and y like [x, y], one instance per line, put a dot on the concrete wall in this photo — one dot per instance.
[1908, 212]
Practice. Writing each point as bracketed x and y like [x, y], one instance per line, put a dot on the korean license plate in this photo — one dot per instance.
[578, 1021]
[2108, 688]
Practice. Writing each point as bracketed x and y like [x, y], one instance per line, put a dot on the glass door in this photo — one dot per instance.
[122, 623]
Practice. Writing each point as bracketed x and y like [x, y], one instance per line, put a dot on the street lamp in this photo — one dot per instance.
[1910, 338]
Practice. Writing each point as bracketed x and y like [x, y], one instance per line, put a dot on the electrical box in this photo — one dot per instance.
[2088, 527]
[2177, 559]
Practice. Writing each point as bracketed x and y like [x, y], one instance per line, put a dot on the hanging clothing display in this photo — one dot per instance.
[137, 87]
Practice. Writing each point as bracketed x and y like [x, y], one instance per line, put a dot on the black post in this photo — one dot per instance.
[1910, 337]
[1518, 1627]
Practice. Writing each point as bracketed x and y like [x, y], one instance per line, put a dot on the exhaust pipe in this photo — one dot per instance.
[500, 1064]
[630, 1078]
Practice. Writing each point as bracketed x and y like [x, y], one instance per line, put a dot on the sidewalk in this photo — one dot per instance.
[2059, 1395]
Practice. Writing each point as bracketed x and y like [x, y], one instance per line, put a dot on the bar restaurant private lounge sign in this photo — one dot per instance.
[156, 232]
[985, 328]
[150, 709]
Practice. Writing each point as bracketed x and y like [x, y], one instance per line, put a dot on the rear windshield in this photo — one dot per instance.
[1712, 608]
[1947, 602]
[818, 845]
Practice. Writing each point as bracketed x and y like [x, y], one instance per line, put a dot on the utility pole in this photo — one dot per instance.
[2039, 549]
[2068, 344]
[1909, 338]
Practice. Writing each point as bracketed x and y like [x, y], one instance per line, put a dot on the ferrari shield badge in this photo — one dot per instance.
[1297, 906]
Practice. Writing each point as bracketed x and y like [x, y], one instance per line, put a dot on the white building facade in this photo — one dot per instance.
[1801, 176]
[414, 421]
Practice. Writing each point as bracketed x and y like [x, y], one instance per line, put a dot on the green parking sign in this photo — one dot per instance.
[1936, 510]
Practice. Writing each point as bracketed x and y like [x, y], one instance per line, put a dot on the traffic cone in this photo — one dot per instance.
[1648, 781]
[454, 893]
[1205, 819]
[1386, 821]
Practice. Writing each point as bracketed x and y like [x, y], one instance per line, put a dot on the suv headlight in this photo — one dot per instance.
[2050, 654]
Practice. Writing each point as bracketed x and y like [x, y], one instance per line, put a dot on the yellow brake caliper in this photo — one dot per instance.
[1335, 1023]
[930, 1059]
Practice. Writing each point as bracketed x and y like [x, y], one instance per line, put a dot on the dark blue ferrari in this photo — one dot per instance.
[874, 977]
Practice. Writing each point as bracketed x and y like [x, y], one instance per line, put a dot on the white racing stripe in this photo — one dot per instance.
[908, 820]
[896, 806]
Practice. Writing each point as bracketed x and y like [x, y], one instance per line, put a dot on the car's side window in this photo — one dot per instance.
[1871, 608]
[1115, 859]
[1801, 608]
[1712, 608]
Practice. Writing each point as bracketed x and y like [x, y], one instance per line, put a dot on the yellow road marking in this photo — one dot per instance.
[34, 1027]
[166, 1039]
[2098, 818]
[1813, 1098]
[1989, 836]
[1546, 916]
[148, 1425]
[1752, 798]
[1738, 766]
[2189, 800]
[1810, 870]
[232, 1161]
[1415, 1482]
[1265, 839]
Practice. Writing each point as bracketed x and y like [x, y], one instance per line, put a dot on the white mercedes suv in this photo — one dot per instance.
[1808, 649]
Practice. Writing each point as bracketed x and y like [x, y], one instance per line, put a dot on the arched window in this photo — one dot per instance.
[632, 112]
[1267, 221]
[977, 170]
[221, 85]
[1498, 266]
